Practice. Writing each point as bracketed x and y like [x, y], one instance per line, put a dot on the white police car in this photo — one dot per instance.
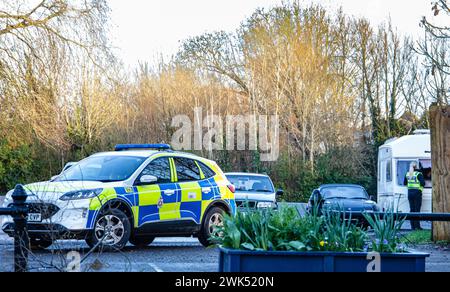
[132, 194]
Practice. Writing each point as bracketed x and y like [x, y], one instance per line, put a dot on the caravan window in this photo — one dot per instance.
[388, 171]
[402, 169]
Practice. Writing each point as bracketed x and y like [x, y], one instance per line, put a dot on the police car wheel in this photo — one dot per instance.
[40, 243]
[213, 218]
[141, 241]
[111, 231]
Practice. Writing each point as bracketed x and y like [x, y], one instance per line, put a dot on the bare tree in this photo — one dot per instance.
[219, 53]
[435, 47]
[43, 45]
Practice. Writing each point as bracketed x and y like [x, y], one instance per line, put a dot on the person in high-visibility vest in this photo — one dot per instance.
[415, 181]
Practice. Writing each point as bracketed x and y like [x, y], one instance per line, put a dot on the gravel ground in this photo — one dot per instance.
[164, 255]
[439, 260]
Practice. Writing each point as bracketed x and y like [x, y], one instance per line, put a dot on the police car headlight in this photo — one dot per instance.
[266, 205]
[81, 195]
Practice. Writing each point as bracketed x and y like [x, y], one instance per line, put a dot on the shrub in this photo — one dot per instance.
[285, 230]
[386, 232]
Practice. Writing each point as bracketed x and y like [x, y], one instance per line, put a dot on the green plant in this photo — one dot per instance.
[15, 165]
[314, 225]
[386, 232]
[343, 235]
[229, 234]
[262, 230]
[248, 230]
[285, 230]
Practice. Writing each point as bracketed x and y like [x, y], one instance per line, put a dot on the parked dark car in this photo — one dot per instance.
[341, 197]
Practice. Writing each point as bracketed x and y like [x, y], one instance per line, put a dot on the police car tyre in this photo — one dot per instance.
[141, 241]
[213, 218]
[112, 228]
[40, 243]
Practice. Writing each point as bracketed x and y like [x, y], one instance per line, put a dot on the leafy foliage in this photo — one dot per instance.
[25, 163]
[387, 230]
[285, 230]
[343, 235]
[15, 164]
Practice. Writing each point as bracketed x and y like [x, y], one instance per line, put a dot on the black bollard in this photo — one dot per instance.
[21, 240]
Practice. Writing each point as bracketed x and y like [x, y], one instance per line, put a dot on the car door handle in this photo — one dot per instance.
[206, 190]
[169, 192]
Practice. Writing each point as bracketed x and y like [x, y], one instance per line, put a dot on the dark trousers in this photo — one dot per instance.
[415, 204]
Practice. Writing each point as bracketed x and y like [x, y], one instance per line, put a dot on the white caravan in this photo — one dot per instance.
[394, 158]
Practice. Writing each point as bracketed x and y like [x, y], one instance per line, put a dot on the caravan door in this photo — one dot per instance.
[385, 184]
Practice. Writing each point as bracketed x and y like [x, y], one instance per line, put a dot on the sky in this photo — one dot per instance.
[145, 30]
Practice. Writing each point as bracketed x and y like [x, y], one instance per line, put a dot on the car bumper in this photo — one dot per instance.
[53, 231]
[243, 205]
[70, 217]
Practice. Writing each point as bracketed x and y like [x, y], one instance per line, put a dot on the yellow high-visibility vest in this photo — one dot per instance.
[413, 181]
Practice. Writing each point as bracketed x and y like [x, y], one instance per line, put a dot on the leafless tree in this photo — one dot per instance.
[435, 47]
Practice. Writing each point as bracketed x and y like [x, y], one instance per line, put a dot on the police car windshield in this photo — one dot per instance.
[248, 183]
[103, 169]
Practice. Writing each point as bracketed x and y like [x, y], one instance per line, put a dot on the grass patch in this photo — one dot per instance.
[443, 243]
[418, 237]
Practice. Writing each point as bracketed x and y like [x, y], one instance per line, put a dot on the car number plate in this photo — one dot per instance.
[34, 217]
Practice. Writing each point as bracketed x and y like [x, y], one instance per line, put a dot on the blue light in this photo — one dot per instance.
[122, 147]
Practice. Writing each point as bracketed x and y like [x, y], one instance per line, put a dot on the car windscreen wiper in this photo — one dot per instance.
[66, 180]
[336, 198]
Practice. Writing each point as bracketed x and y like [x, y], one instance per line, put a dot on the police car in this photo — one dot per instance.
[133, 194]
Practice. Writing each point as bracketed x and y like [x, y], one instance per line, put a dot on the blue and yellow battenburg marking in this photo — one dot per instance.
[170, 201]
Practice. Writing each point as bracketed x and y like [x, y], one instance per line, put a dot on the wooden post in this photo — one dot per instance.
[440, 155]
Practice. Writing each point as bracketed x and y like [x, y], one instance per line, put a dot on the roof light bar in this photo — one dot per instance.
[123, 147]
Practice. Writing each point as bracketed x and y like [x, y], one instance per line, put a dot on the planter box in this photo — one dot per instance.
[286, 261]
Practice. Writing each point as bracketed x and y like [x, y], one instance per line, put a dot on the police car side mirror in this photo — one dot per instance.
[148, 179]
[54, 177]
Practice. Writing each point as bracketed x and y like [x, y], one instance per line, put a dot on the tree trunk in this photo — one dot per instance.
[440, 152]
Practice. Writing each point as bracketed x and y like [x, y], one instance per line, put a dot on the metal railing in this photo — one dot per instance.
[438, 217]
[19, 212]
